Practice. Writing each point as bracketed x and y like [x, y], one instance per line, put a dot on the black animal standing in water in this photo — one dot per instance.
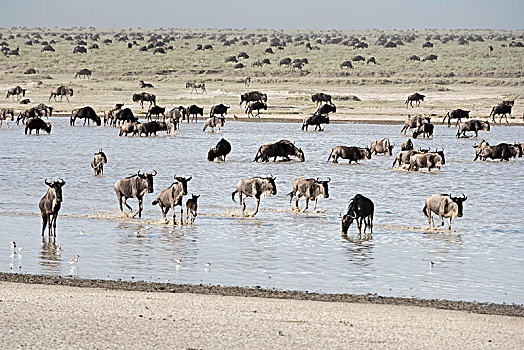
[98, 163]
[360, 209]
[50, 204]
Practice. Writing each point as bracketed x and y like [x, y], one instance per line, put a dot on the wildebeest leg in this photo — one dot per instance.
[359, 225]
[54, 217]
[44, 222]
[164, 211]
[258, 203]
[296, 201]
[187, 215]
[441, 220]
[307, 205]
[181, 217]
[125, 202]
[50, 224]
[242, 202]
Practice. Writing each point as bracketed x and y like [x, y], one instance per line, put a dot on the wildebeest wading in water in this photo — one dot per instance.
[50, 204]
[360, 209]
[98, 163]
[254, 187]
[134, 186]
[282, 148]
[172, 196]
[445, 206]
[311, 189]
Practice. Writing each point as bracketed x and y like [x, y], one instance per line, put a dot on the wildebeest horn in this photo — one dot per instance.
[174, 176]
[62, 182]
[189, 178]
[154, 173]
[138, 173]
[47, 182]
[464, 196]
[329, 179]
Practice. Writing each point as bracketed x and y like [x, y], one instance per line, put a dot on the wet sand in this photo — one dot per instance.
[46, 313]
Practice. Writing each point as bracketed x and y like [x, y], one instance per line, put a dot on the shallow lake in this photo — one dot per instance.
[480, 259]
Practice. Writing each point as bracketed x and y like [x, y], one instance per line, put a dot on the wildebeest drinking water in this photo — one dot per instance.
[61, 91]
[220, 151]
[37, 124]
[98, 163]
[86, 113]
[472, 125]
[282, 148]
[172, 196]
[416, 97]
[254, 187]
[311, 189]
[360, 209]
[16, 91]
[50, 204]
[134, 186]
[445, 206]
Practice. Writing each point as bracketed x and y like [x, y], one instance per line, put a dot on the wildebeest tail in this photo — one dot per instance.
[492, 112]
[290, 194]
[258, 155]
[424, 210]
[155, 202]
[233, 195]
[330, 155]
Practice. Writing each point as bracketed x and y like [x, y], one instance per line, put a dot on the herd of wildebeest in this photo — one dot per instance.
[159, 119]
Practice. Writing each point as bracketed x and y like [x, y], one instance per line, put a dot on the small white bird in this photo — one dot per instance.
[178, 261]
[74, 259]
[82, 232]
[13, 245]
[431, 263]
[207, 263]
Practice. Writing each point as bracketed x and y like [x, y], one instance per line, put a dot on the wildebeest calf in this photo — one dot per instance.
[191, 207]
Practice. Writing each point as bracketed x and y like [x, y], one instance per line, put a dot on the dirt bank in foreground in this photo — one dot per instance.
[54, 317]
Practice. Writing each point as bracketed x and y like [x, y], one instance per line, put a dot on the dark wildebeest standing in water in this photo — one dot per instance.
[144, 96]
[192, 208]
[416, 97]
[456, 114]
[38, 124]
[444, 206]
[414, 122]
[254, 187]
[172, 196]
[50, 205]
[61, 91]
[98, 163]
[16, 91]
[194, 111]
[407, 145]
[353, 154]
[220, 151]
[311, 189]
[381, 146]
[134, 186]
[360, 209]
[86, 113]
[218, 109]
[282, 148]
[472, 125]
[320, 97]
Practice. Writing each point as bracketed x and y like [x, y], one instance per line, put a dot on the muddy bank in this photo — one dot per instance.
[481, 308]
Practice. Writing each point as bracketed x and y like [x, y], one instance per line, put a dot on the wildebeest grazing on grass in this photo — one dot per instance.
[282, 148]
[16, 91]
[86, 73]
[381, 146]
[311, 189]
[194, 111]
[320, 97]
[254, 187]
[472, 125]
[61, 91]
[353, 154]
[24, 101]
[445, 206]
[134, 186]
[144, 97]
[192, 208]
[360, 209]
[50, 205]
[37, 124]
[416, 97]
[346, 64]
[220, 151]
[316, 120]
[255, 106]
[86, 113]
[456, 114]
[98, 162]
[79, 49]
[172, 196]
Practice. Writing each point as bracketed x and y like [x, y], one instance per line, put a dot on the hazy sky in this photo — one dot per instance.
[270, 14]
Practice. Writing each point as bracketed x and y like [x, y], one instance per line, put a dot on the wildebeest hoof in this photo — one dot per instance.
[319, 211]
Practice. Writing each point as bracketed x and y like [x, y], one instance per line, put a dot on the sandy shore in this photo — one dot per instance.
[48, 316]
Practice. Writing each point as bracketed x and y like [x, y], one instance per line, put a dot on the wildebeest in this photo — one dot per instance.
[16, 91]
[430, 58]
[353, 154]
[45, 110]
[61, 91]
[320, 97]
[86, 113]
[30, 71]
[109, 115]
[285, 62]
[128, 128]
[501, 109]
[252, 96]
[172, 124]
[98, 162]
[79, 49]
[403, 157]
[144, 96]
[172, 196]
[150, 128]
[37, 124]
[346, 64]
[123, 115]
[157, 111]
[407, 145]
[134, 186]
[360, 209]
[445, 206]
[145, 85]
[358, 58]
[325, 109]
[213, 122]
[502, 151]
[194, 111]
[50, 204]
[254, 187]
[247, 79]
[381, 146]
[28, 114]
[83, 72]
[48, 48]
[425, 129]
[196, 86]
[231, 59]
[315, 119]
[311, 189]
[456, 114]
[414, 122]
[478, 149]
[4, 115]
[416, 97]
[192, 208]
[472, 125]
[177, 113]
[371, 60]
[25, 101]
[282, 148]
[218, 109]
[255, 106]
[220, 151]
[428, 160]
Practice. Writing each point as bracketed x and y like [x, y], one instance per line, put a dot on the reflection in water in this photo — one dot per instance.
[278, 248]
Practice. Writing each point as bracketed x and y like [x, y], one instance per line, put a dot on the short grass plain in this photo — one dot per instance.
[464, 76]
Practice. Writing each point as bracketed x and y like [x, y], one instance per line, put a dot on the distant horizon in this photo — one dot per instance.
[267, 15]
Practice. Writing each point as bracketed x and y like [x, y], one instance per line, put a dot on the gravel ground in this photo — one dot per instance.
[44, 316]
